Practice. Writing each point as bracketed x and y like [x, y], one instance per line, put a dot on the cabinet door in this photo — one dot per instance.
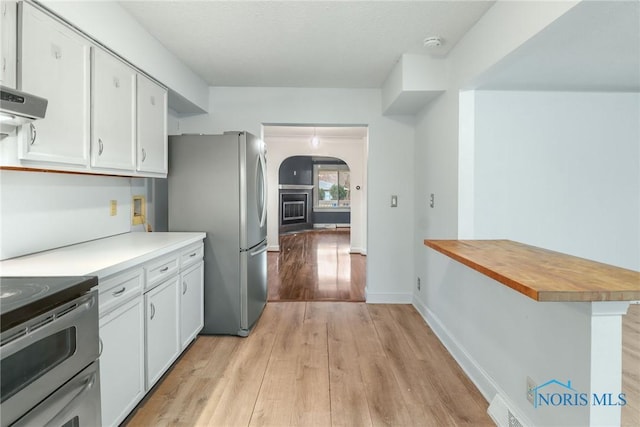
[54, 64]
[152, 126]
[8, 42]
[122, 361]
[191, 303]
[113, 120]
[162, 329]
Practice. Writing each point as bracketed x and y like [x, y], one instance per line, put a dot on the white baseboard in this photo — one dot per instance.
[489, 389]
[480, 378]
[333, 226]
[386, 297]
[357, 251]
[273, 248]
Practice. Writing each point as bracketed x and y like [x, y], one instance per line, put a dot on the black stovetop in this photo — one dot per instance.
[22, 298]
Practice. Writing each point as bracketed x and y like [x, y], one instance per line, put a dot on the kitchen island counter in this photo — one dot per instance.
[541, 274]
[101, 257]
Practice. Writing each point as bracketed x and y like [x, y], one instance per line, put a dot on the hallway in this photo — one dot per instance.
[316, 266]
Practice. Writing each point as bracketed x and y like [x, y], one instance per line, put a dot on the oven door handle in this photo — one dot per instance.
[61, 319]
[66, 401]
[72, 399]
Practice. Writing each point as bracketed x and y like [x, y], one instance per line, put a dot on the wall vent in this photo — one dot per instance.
[513, 421]
[501, 414]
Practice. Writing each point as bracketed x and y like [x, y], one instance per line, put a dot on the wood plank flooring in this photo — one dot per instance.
[319, 364]
[316, 266]
[631, 366]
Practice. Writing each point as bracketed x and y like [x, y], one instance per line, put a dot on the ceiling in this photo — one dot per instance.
[337, 44]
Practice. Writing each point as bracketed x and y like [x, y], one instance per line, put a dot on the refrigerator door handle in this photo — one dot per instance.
[259, 251]
[262, 184]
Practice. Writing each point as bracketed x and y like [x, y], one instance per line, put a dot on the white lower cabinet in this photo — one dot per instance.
[149, 313]
[162, 329]
[122, 361]
[191, 303]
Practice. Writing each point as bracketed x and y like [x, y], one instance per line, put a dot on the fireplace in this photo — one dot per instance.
[295, 207]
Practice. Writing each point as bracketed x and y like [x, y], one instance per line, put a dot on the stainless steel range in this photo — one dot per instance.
[49, 351]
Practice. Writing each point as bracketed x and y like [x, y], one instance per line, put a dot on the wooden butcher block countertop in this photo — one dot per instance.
[541, 274]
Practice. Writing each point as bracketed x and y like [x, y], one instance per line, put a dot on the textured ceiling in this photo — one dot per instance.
[341, 44]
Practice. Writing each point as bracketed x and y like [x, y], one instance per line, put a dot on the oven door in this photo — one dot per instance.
[75, 404]
[41, 355]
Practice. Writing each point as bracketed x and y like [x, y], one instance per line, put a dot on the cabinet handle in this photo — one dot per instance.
[184, 287]
[100, 146]
[34, 133]
[153, 311]
[120, 292]
[100, 347]
[4, 64]
[164, 270]
[144, 154]
[193, 254]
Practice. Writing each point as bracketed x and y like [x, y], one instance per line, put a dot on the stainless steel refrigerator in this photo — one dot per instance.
[217, 184]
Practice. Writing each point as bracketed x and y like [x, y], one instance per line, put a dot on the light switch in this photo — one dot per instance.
[394, 201]
[113, 206]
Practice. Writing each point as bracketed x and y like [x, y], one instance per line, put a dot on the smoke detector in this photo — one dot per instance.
[433, 41]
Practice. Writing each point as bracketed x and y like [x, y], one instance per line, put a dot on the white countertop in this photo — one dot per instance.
[101, 257]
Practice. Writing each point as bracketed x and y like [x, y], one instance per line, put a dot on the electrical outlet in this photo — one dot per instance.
[418, 283]
[531, 385]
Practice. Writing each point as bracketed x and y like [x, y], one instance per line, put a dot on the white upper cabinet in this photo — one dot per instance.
[113, 134]
[8, 42]
[152, 126]
[53, 62]
[103, 115]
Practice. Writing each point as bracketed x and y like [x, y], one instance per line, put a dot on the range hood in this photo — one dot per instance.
[18, 108]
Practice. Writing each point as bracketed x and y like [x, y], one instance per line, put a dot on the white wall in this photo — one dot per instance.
[40, 211]
[352, 151]
[561, 171]
[499, 336]
[390, 164]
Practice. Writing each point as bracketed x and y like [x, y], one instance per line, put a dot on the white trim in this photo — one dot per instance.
[480, 378]
[321, 209]
[327, 225]
[386, 297]
[358, 251]
[273, 248]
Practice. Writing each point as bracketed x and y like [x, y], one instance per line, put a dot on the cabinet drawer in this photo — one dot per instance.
[118, 289]
[191, 255]
[161, 269]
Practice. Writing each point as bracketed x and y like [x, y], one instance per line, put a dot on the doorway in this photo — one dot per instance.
[317, 212]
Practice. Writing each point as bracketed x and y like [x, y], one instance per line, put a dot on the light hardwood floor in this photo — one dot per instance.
[319, 364]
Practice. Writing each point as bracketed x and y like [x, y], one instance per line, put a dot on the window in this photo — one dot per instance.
[332, 187]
